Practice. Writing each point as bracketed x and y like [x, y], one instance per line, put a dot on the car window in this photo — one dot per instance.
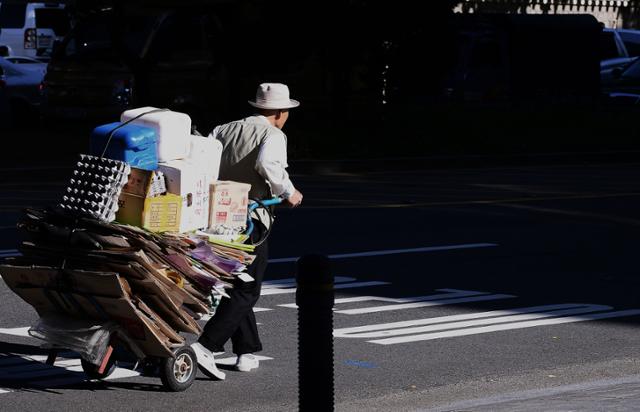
[53, 18]
[608, 48]
[631, 42]
[19, 60]
[12, 16]
[101, 37]
[181, 38]
[89, 40]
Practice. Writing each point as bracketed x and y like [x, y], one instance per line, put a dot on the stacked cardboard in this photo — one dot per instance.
[154, 286]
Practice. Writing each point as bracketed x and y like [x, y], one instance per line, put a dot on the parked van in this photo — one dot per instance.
[32, 29]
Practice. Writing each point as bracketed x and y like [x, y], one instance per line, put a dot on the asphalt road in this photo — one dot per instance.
[480, 283]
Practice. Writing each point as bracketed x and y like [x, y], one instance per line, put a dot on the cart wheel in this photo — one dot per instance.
[178, 373]
[92, 370]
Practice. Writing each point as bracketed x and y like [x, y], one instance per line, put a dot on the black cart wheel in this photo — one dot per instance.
[178, 373]
[92, 370]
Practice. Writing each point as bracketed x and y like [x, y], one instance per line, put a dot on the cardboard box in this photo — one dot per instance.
[136, 208]
[191, 183]
[131, 200]
[206, 152]
[229, 201]
[162, 213]
[139, 182]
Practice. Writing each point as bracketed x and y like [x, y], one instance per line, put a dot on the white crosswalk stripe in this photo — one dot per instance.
[449, 297]
[478, 323]
[288, 286]
[15, 331]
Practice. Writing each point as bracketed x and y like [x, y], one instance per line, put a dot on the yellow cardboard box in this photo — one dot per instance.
[157, 214]
[162, 213]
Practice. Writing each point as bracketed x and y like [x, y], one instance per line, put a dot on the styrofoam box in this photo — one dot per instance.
[185, 179]
[173, 131]
[206, 152]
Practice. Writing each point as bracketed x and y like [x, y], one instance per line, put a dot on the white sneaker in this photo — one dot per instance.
[246, 362]
[206, 362]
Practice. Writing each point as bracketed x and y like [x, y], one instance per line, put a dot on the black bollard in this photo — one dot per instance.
[314, 298]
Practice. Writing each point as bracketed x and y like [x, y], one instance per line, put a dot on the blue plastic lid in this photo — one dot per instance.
[131, 135]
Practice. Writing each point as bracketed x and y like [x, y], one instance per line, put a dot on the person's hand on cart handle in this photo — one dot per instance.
[295, 199]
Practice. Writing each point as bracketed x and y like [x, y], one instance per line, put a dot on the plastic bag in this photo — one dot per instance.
[89, 338]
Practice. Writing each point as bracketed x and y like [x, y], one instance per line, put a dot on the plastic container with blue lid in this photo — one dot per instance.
[133, 144]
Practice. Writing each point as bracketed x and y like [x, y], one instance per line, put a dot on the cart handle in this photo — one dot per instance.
[256, 204]
[268, 202]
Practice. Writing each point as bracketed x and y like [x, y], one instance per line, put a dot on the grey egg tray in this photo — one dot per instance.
[95, 187]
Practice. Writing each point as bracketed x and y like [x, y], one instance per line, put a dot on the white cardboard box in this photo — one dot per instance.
[185, 179]
[229, 201]
[206, 152]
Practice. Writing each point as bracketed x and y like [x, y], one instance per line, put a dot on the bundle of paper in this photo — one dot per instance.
[153, 285]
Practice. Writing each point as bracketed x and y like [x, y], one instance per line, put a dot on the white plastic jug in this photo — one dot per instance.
[173, 131]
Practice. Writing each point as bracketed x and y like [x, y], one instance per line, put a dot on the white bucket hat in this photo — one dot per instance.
[273, 96]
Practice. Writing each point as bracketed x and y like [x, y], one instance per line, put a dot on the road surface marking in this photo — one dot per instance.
[9, 253]
[478, 323]
[208, 316]
[395, 251]
[467, 320]
[451, 293]
[292, 282]
[424, 304]
[280, 291]
[451, 296]
[16, 331]
[288, 285]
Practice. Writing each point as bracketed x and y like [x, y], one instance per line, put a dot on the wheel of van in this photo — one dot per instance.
[92, 370]
[178, 373]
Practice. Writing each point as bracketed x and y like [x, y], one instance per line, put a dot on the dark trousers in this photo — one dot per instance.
[234, 317]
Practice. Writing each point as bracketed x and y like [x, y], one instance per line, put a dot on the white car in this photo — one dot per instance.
[28, 63]
[32, 29]
[21, 90]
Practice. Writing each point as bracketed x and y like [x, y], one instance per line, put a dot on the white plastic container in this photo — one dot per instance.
[191, 183]
[205, 153]
[173, 131]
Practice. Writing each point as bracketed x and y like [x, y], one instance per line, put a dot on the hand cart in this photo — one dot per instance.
[176, 373]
